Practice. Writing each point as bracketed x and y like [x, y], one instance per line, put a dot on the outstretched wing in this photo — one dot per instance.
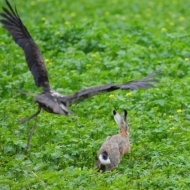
[131, 85]
[12, 22]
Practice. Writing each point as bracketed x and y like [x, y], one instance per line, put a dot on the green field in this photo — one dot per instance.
[87, 43]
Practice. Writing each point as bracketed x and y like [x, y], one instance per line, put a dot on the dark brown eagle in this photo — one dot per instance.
[48, 99]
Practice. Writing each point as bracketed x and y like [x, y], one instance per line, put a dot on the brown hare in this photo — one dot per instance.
[112, 150]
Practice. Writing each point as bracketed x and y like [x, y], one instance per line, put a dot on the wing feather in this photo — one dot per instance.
[12, 22]
[131, 85]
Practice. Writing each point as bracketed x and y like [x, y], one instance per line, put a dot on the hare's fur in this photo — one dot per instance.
[112, 150]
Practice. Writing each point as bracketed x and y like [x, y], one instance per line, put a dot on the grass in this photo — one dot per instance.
[86, 43]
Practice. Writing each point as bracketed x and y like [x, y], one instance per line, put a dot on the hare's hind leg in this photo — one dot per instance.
[122, 152]
[110, 167]
[124, 149]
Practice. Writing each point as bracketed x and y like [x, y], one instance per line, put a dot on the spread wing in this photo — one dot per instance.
[12, 22]
[131, 85]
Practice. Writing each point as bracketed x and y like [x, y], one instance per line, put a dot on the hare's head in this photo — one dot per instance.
[122, 122]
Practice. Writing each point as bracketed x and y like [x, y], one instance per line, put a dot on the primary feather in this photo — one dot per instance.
[12, 22]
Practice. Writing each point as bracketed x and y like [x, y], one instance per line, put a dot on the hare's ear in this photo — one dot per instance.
[126, 119]
[125, 116]
[117, 118]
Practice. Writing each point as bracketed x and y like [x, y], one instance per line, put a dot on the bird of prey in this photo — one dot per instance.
[50, 100]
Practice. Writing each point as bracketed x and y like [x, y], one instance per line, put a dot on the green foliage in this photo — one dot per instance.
[88, 43]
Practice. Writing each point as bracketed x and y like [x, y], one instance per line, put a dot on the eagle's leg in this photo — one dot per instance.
[30, 135]
[31, 117]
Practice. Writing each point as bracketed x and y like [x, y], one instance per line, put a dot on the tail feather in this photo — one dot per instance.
[104, 158]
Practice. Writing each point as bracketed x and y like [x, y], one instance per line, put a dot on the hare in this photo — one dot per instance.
[112, 150]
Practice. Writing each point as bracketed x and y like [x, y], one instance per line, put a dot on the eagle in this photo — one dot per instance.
[50, 100]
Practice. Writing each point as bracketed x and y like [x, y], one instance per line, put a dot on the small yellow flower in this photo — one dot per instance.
[148, 14]
[111, 96]
[73, 14]
[163, 29]
[182, 28]
[107, 137]
[182, 18]
[85, 19]
[137, 16]
[58, 33]
[46, 60]
[179, 111]
[128, 94]
[94, 55]
[117, 16]
[172, 128]
[164, 114]
[2, 43]
[33, 3]
[107, 13]
[43, 18]
[66, 23]
[171, 116]
[186, 59]
[148, 10]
